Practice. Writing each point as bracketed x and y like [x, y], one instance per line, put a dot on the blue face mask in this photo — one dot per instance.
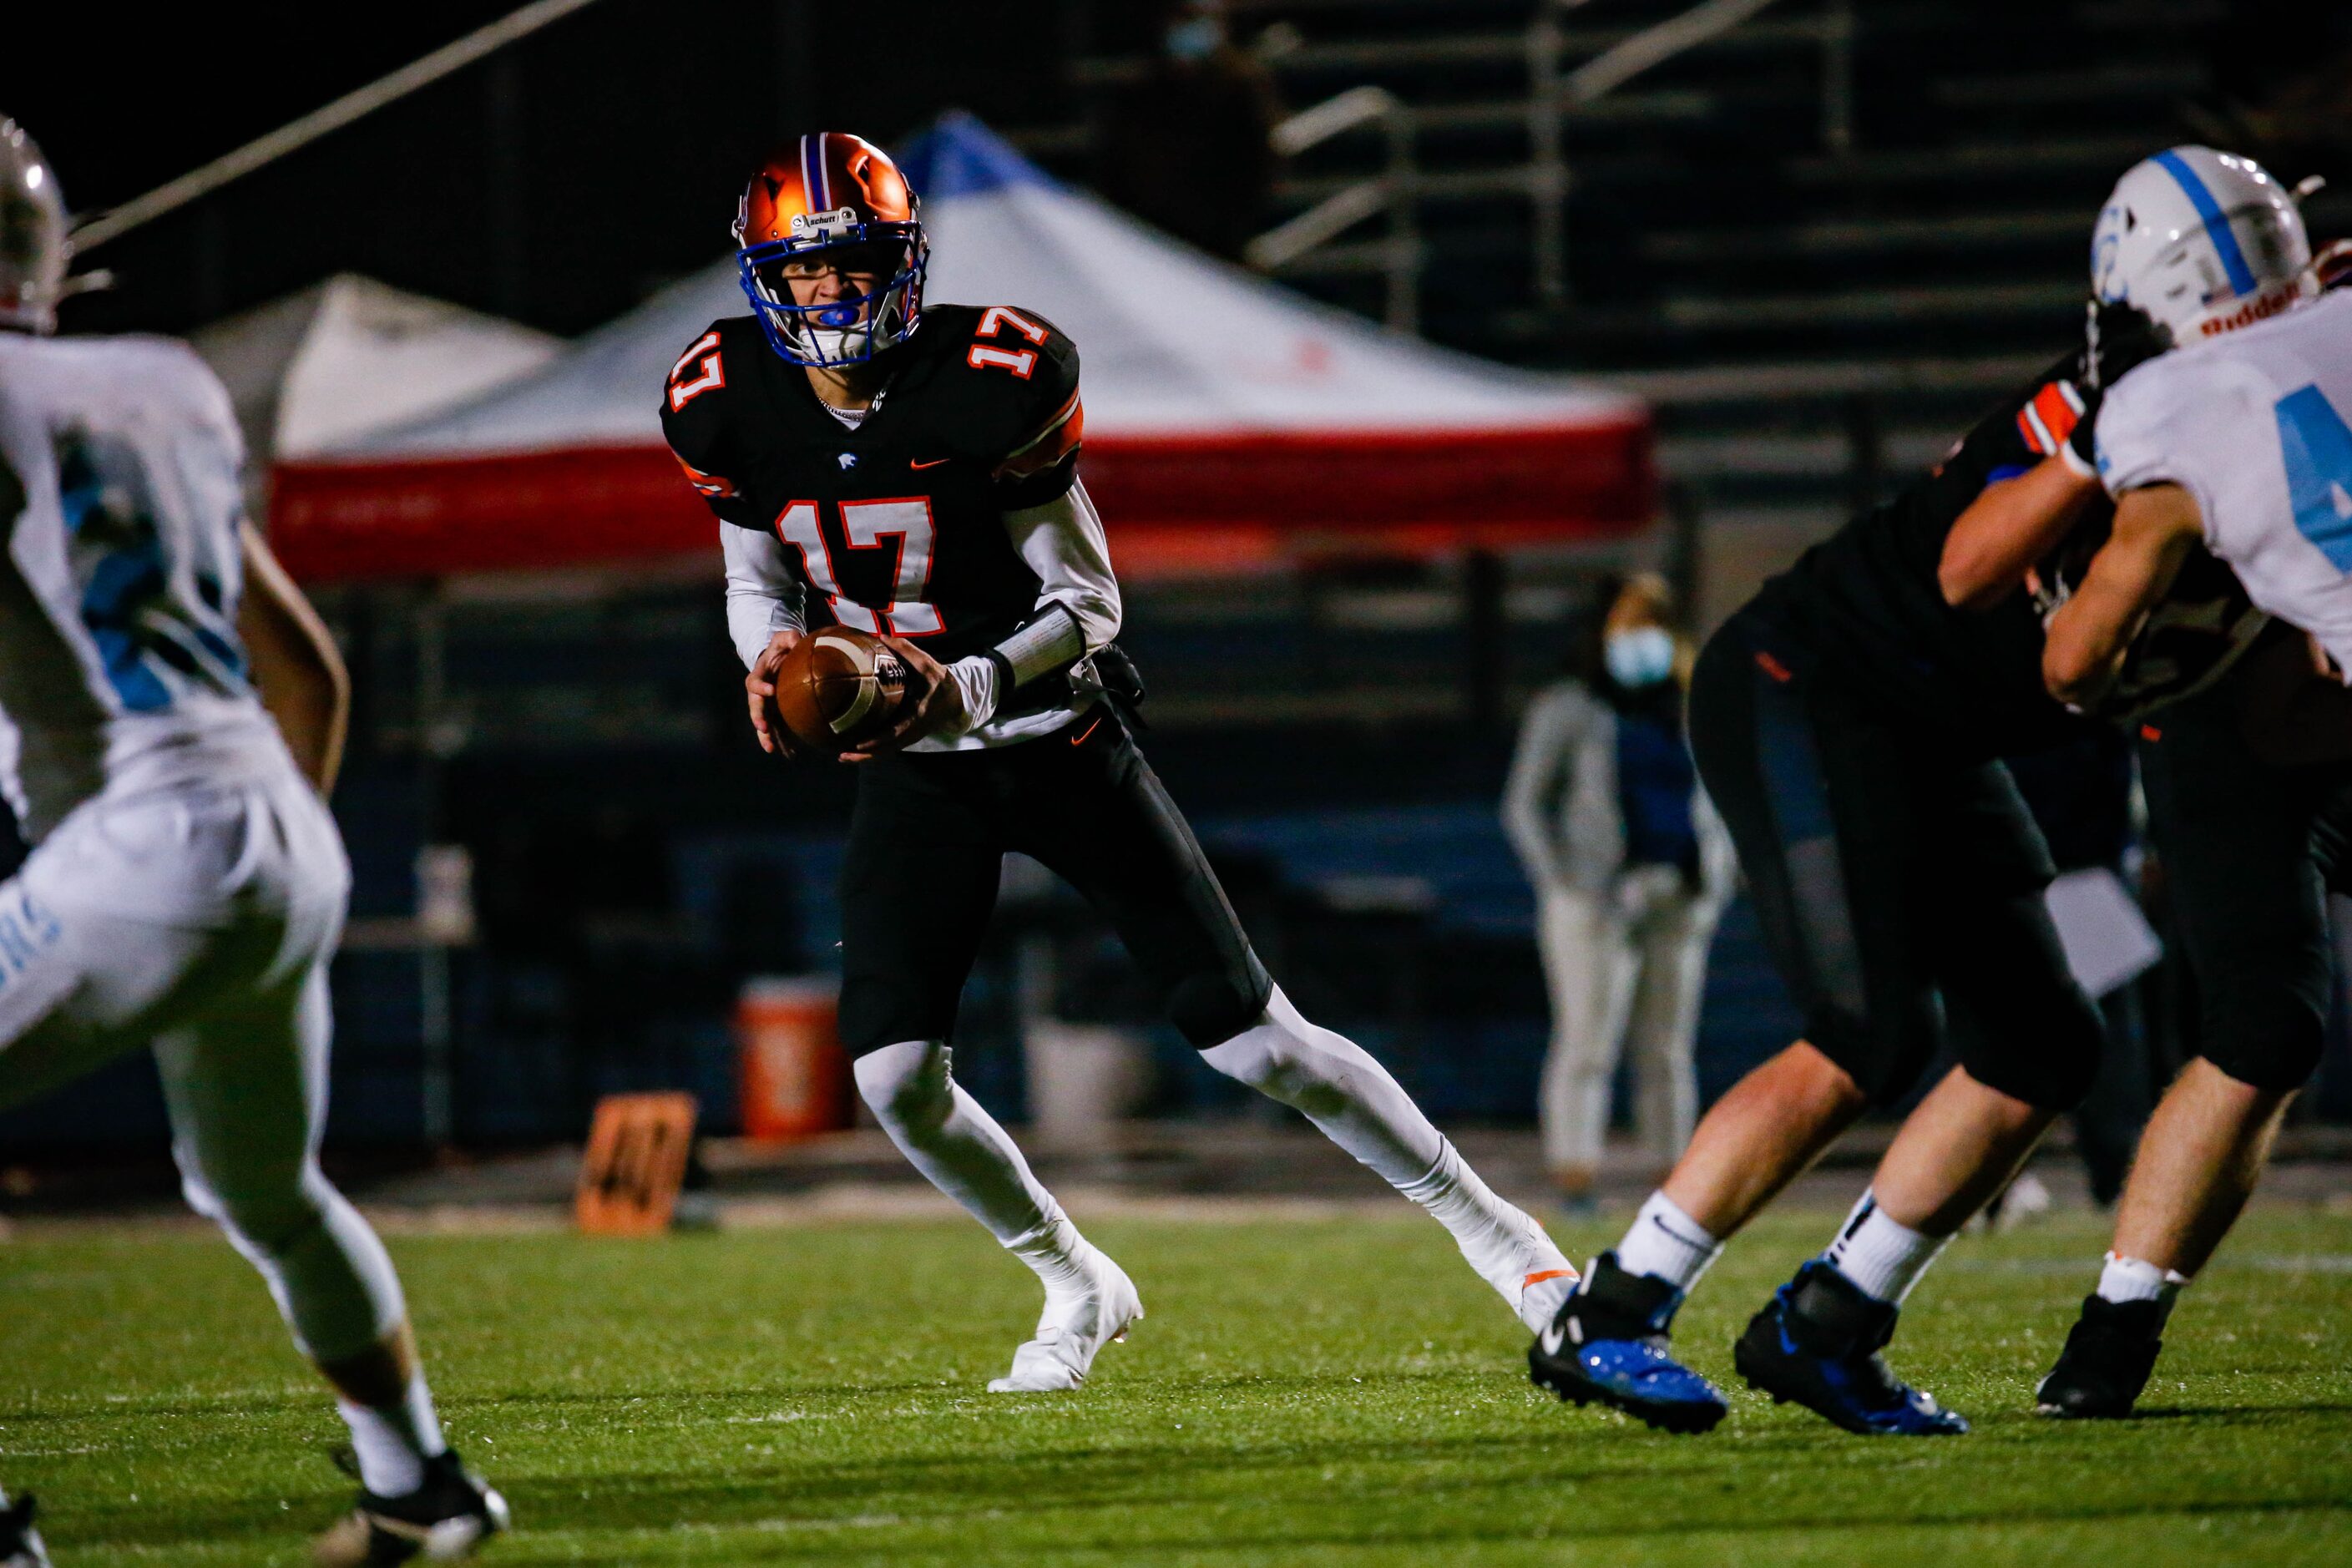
[1642, 656]
[1194, 38]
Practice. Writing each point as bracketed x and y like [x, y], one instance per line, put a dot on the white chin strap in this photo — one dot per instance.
[837, 344]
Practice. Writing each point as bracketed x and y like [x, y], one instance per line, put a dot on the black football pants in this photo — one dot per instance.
[1892, 879]
[927, 843]
[2250, 850]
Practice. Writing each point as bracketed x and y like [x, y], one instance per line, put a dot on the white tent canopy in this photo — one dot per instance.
[1213, 400]
[347, 358]
[1173, 342]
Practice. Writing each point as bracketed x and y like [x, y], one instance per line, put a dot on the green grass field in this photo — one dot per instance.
[1323, 1391]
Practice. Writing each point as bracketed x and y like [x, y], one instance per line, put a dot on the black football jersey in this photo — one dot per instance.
[1865, 607]
[896, 526]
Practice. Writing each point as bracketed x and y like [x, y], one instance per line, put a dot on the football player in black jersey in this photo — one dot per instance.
[909, 468]
[1848, 723]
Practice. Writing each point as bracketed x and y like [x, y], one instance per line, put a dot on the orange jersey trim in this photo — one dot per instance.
[1063, 434]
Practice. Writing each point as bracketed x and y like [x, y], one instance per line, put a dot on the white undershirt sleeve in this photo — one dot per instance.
[1063, 543]
[764, 598]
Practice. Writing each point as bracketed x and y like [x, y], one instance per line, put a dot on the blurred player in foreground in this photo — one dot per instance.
[186, 884]
[911, 469]
[2235, 441]
[1848, 724]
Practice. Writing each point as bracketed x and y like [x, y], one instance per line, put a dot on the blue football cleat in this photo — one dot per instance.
[1608, 1343]
[1817, 1343]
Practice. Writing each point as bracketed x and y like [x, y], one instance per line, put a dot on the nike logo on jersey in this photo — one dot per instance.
[849, 460]
[934, 463]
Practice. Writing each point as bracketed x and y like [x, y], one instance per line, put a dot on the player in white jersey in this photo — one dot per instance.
[2243, 442]
[2233, 437]
[187, 885]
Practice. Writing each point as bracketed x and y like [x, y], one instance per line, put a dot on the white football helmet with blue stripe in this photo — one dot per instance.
[2204, 242]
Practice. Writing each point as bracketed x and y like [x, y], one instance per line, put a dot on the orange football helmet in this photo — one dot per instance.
[839, 194]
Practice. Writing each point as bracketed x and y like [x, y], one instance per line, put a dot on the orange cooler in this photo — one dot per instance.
[795, 1074]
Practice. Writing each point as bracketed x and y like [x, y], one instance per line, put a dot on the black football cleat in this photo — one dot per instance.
[1608, 1343]
[2109, 1353]
[20, 1543]
[445, 1519]
[1816, 1344]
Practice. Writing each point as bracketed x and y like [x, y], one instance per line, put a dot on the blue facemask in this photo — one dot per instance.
[1194, 38]
[1642, 656]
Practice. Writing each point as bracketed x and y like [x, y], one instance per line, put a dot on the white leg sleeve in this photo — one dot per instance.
[1336, 1085]
[1590, 969]
[957, 1145]
[246, 1085]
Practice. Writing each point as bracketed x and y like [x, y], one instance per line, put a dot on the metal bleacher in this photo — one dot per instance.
[1818, 239]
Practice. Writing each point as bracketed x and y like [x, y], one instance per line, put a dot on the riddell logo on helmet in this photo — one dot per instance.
[2246, 315]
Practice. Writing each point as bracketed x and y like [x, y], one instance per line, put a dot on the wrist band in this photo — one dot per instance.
[1050, 642]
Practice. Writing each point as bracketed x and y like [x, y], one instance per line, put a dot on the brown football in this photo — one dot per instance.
[837, 688]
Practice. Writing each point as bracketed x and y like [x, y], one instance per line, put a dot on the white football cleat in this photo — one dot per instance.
[1540, 1277]
[1077, 1321]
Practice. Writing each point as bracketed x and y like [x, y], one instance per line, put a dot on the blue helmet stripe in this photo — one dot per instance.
[2217, 223]
[813, 176]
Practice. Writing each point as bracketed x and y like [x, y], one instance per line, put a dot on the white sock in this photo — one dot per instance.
[946, 1135]
[1492, 1234]
[1883, 1258]
[1058, 1254]
[2130, 1280]
[1666, 1243]
[393, 1442]
[1351, 1099]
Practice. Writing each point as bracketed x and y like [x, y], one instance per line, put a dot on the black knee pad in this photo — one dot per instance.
[1214, 1005]
[2271, 1041]
[2050, 1066]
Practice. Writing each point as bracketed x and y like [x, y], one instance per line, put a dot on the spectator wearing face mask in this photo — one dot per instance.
[1631, 868]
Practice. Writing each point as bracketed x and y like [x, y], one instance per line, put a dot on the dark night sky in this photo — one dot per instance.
[557, 182]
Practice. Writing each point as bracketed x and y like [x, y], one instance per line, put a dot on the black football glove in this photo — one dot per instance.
[2117, 337]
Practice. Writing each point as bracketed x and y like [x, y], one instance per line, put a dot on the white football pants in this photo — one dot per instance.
[200, 921]
[1625, 970]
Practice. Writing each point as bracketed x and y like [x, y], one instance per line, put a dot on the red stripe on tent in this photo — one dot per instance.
[1172, 505]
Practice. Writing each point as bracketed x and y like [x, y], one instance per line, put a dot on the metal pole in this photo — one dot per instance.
[1405, 226]
[1837, 77]
[1483, 639]
[1685, 565]
[254, 154]
[1865, 457]
[437, 1071]
[510, 267]
[1546, 175]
